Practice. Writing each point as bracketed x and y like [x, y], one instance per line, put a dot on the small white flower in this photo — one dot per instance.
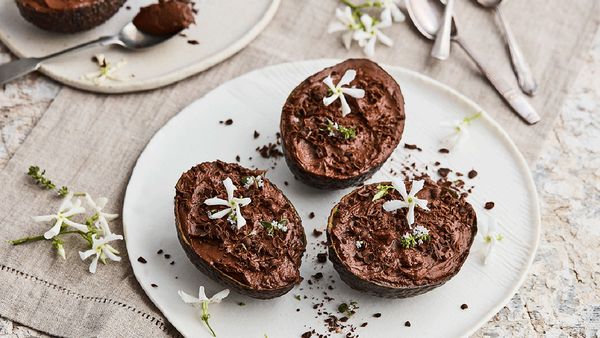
[490, 237]
[103, 218]
[106, 71]
[368, 36]
[391, 10]
[233, 204]
[346, 22]
[338, 91]
[460, 132]
[409, 200]
[202, 303]
[60, 251]
[359, 244]
[249, 181]
[420, 231]
[102, 250]
[67, 209]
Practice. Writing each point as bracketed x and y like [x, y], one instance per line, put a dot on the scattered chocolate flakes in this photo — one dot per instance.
[489, 205]
[377, 315]
[464, 307]
[183, 35]
[286, 183]
[444, 172]
[256, 134]
[237, 158]
[193, 42]
[444, 151]
[317, 276]
[153, 285]
[127, 7]
[228, 122]
[364, 324]
[269, 151]
[436, 163]
[407, 323]
[142, 260]
[307, 334]
[172, 263]
[159, 252]
[322, 257]
[412, 147]
[317, 233]
[472, 174]
[311, 215]
[167, 256]
[241, 304]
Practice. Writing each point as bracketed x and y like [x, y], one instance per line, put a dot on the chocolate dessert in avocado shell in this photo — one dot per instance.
[68, 16]
[381, 247]
[341, 124]
[165, 17]
[239, 229]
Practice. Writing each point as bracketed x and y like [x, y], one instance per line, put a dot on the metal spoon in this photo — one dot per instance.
[427, 16]
[441, 46]
[129, 37]
[521, 68]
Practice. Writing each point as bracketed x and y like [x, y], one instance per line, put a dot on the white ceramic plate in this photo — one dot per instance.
[223, 27]
[254, 101]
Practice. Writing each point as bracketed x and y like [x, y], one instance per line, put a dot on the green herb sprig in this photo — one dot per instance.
[38, 176]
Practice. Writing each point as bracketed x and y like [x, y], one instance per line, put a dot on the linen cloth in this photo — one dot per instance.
[91, 142]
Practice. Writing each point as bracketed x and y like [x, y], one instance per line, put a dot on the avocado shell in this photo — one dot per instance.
[71, 20]
[222, 277]
[382, 290]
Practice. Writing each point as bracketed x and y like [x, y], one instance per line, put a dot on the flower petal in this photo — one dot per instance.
[345, 107]
[86, 254]
[187, 298]
[243, 201]
[416, 186]
[394, 205]
[220, 214]
[397, 14]
[54, 230]
[330, 99]
[369, 49]
[354, 92]
[241, 221]
[336, 27]
[80, 227]
[218, 297]
[202, 294]
[386, 40]
[94, 264]
[367, 21]
[410, 216]
[398, 184]
[348, 77]
[328, 81]
[45, 218]
[347, 39]
[229, 187]
[66, 202]
[216, 201]
[110, 255]
[421, 203]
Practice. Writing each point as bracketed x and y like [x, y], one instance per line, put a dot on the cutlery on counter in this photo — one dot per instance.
[129, 37]
[520, 66]
[441, 46]
[427, 17]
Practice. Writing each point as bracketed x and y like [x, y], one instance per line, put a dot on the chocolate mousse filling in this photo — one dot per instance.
[164, 18]
[326, 158]
[366, 241]
[255, 260]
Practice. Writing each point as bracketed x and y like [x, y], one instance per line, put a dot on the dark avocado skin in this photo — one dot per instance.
[72, 20]
[379, 290]
[221, 277]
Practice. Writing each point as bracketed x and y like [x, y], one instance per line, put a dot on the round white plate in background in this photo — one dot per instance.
[223, 27]
[254, 102]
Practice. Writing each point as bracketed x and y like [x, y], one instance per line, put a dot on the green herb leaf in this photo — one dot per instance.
[382, 190]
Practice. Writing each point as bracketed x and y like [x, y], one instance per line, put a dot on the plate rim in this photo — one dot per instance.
[522, 163]
[162, 81]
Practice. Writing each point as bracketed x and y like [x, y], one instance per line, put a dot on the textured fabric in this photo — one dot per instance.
[91, 142]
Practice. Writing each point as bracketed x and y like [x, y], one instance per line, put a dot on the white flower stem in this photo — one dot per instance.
[41, 237]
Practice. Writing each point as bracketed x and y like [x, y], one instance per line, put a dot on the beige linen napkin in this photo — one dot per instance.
[91, 142]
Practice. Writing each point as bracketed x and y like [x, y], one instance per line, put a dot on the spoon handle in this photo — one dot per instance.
[15, 69]
[524, 75]
[511, 95]
[441, 46]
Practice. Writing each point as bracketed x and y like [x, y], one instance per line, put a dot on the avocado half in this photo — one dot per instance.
[329, 159]
[392, 271]
[70, 18]
[211, 244]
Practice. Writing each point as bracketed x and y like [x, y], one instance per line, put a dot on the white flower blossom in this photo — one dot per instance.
[420, 232]
[346, 22]
[202, 303]
[102, 217]
[102, 250]
[391, 11]
[233, 204]
[371, 32]
[107, 71]
[490, 237]
[408, 200]
[249, 181]
[460, 132]
[359, 244]
[67, 209]
[338, 91]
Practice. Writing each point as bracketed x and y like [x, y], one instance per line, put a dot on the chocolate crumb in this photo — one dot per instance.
[128, 7]
[256, 134]
[159, 252]
[364, 324]
[220, 122]
[444, 172]
[306, 334]
[407, 324]
[472, 174]
[464, 307]
[311, 215]
[153, 285]
[436, 163]
[172, 263]
[412, 147]
[193, 42]
[286, 183]
[377, 315]
[489, 205]
[228, 122]
[444, 151]
[322, 257]
[317, 233]
[237, 158]
[317, 275]
[167, 256]
[142, 260]
[269, 151]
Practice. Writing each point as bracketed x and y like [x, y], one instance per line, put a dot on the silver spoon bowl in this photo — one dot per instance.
[427, 16]
[129, 37]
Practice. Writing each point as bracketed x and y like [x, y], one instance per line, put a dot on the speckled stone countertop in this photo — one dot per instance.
[561, 296]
